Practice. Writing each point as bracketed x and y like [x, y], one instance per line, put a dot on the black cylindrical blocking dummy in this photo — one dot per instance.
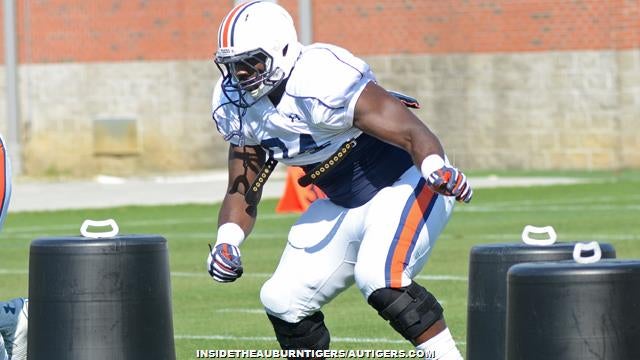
[570, 311]
[100, 299]
[487, 297]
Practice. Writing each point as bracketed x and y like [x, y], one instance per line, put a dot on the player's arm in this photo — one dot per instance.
[381, 115]
[236, 217]
[244, 165]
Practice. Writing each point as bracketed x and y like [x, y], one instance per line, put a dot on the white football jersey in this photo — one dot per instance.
[314, 116]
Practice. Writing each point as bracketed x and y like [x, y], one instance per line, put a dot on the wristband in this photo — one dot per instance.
[230, 233]
[430, 164]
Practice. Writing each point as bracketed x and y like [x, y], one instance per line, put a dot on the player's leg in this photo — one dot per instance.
[14, 316]
[310, 333]
[13, 313]
[317, 264]
[19, 351]
[403, 223]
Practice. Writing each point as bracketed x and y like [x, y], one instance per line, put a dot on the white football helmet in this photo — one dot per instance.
[257, 48]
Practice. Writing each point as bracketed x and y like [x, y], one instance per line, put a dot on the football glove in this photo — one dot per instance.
[446, 180]
[223, 263]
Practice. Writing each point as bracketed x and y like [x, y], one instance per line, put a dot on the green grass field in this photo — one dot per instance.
[209, 315]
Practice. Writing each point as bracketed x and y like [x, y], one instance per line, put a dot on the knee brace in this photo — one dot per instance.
[410, 310]
[308, 334]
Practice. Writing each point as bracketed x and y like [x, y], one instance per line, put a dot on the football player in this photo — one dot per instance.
[390, 188]
[13, 328]
[13, 313]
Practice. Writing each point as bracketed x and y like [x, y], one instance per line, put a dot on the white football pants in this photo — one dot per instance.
[383, 243]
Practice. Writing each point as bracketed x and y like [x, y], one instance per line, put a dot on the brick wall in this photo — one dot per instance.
[119, 30]
[477, 26]
[525, 84]
[113, 30]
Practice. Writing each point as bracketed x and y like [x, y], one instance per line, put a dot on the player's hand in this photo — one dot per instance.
[445, 179]
[223, 263]
[450, 181]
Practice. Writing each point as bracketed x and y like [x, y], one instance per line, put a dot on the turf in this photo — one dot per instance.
[208, 315]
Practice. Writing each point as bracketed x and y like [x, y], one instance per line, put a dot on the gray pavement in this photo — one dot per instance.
[108, 191]
[199, 188]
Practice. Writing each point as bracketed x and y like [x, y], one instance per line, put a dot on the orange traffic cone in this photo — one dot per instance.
[297, 198]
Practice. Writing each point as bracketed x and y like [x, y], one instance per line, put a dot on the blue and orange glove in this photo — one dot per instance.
[223, 263]
[445, 179]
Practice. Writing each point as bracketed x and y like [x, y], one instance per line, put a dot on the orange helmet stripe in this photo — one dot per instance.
[225, 30]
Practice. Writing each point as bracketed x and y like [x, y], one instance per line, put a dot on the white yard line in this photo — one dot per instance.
[203, 274]
[514, 237]
[547, 208]
[261, 311]
[562, 237]
[266, 275]
[156, 222]
[242, 311]
[502, 207]
[589, 199]
[13, 272]
[271, 338]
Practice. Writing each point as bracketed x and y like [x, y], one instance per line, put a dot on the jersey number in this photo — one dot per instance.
[305, 144]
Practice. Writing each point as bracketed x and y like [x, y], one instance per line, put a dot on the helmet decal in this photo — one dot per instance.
[227, 26]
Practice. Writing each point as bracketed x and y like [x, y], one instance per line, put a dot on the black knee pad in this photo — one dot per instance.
[410, 310]
[308, 334]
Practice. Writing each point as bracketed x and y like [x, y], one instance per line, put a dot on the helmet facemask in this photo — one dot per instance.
[249, 76]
